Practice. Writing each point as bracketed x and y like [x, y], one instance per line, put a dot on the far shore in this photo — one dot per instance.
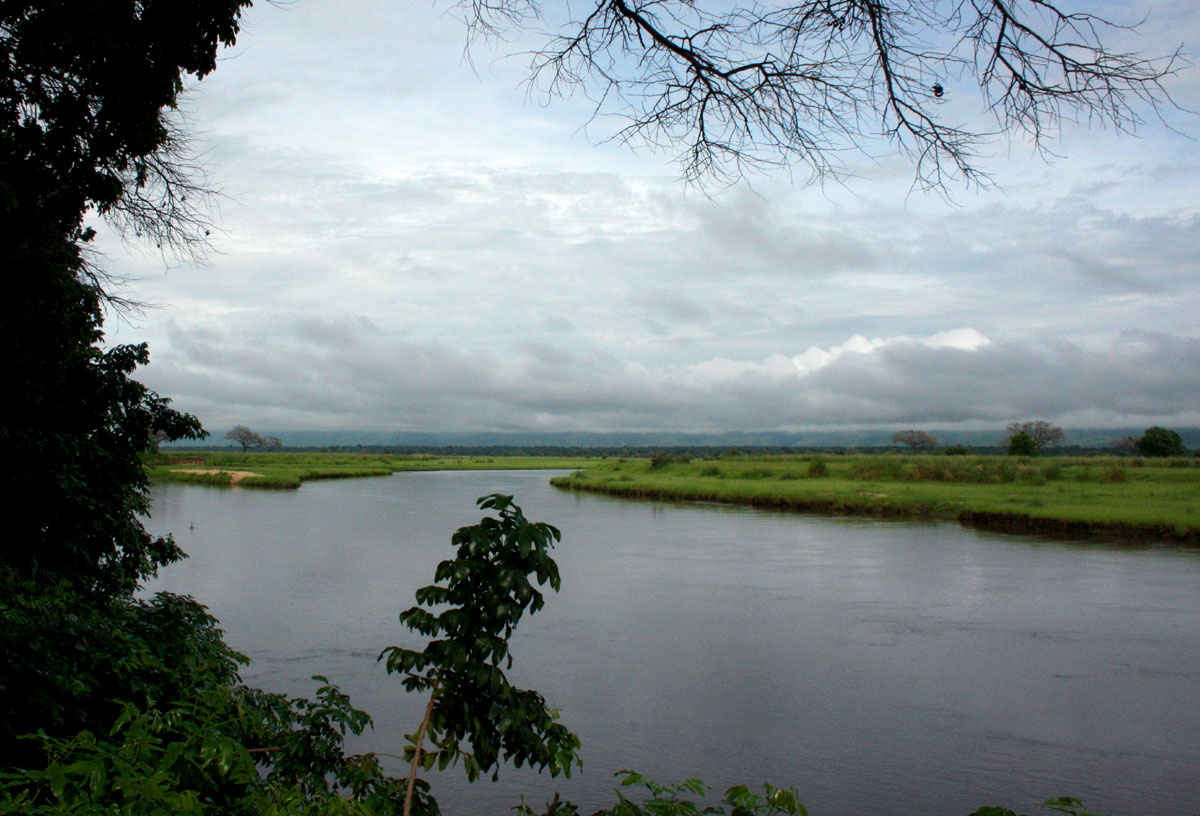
[1125, 498]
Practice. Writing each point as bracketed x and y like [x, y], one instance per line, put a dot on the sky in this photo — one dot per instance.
[409, 240]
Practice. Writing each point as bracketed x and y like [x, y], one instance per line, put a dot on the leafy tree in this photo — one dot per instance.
[1043, 433]
[1158, 441]
[1022, 444]
[729, 86]
[84, 96]
[916, 440]
[487, 590]
[247, 438]
[83, 89]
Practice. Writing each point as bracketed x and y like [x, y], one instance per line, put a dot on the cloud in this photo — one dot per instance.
[351, 374]
[813, 359]
[405, 242]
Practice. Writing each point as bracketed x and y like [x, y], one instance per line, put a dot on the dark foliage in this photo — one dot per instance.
[1022, 444]
[83, 90]
[1158, 441]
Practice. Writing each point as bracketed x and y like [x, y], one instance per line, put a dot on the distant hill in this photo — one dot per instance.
[864, 438]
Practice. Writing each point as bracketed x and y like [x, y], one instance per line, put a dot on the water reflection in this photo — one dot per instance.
[880, 666]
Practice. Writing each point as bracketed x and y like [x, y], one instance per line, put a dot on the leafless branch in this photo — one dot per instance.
[166, 199]
[728, 88]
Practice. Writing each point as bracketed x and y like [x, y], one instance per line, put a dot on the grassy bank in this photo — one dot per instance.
[289, 470]
[1143, 498]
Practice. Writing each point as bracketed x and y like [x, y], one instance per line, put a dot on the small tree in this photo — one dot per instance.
[917, 440]
[246, 437]
[1126, 445]
[483, 593]
[1042, 433]
[1158, 441]
[1022, 444]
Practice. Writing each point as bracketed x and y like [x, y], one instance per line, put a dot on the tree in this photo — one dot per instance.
[1022, 444]
[1041, 432]
[1158, 441]
[1126, 445]
[917, 440]
[487, 590]
[733, 86]
[84, 91]
[246, 438]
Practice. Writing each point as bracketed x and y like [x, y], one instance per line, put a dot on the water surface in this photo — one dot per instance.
[880, 667]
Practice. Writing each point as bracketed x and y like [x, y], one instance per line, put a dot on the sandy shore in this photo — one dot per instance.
[235, 476]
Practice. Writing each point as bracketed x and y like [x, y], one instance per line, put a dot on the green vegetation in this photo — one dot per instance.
[289, 470]
[1161, 498]
[113, 704]
[1158, 441]
[486, 592]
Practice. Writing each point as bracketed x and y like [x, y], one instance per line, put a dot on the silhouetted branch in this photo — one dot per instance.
[728, 88]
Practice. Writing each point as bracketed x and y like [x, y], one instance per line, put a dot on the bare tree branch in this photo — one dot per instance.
[728, 88]
[166, 199]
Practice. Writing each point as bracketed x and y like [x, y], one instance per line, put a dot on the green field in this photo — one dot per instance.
[289, 470]
[1156, 498]
[1142, 497]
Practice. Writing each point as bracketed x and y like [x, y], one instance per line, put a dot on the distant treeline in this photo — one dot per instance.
[632, 442]
[650, 451]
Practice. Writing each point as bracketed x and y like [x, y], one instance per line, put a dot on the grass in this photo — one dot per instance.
[290, 470]
[1143, 497]
[1156, 498]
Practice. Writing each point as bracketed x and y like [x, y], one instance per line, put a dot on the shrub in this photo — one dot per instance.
[956, 450]
[1022, 444]
[1115, 474]
[817, 468]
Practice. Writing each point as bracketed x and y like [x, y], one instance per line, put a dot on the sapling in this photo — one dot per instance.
[469, 615]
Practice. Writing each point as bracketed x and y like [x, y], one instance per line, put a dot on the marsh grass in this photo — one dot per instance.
[1085, 490]
[282, 471]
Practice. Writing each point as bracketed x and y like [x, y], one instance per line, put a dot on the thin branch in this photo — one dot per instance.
[416, 763]
[731, 89]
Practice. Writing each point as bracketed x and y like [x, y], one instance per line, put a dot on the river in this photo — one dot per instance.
[916, 669]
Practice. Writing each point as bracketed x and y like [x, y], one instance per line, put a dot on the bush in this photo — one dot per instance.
[956, 450]
[817, 468]
[1022, 444]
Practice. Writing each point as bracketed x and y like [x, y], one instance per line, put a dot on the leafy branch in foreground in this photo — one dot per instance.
[484, 592]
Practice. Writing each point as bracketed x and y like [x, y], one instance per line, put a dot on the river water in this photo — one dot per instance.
[880, 667]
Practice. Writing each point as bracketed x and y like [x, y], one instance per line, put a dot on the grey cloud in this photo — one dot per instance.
[383, 380]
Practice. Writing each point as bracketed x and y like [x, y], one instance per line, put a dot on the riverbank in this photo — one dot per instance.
[287, 471]
[1128, 498]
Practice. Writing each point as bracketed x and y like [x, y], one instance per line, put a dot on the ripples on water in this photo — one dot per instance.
[880, 667]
